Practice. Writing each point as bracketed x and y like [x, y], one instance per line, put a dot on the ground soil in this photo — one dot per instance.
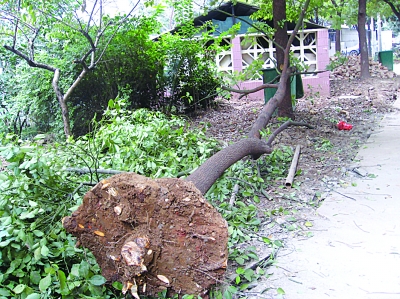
[327, 153]
[158, 234]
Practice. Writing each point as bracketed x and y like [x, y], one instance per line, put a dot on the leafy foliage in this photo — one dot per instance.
[39, 260]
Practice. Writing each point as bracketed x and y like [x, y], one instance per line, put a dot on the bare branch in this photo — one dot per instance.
[59, 20]
[245, 92]
[116, 30]
[32, 44]
[293, 35]
[31, 62]
[91, 17]
[55, 85]
[88, 170]
[16, 26]
[75, 84]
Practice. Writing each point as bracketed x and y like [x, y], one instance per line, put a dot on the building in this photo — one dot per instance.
[311, 46]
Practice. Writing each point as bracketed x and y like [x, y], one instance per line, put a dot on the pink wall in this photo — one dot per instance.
[318, 83]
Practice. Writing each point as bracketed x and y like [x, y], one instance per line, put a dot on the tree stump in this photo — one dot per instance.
[152, 234]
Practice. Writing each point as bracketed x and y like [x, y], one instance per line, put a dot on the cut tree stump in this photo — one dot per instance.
[152, 234]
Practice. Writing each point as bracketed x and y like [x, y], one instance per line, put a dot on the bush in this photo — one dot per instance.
[173, 74]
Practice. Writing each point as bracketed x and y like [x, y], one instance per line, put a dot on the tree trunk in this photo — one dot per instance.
[362, 37]
[337, 41]
[285, 108]
[63, 103]
[206, 175]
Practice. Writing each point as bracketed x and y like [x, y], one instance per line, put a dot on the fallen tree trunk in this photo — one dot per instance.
[162, 234]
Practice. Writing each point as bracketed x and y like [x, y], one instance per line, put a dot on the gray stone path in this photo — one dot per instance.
[355, 250]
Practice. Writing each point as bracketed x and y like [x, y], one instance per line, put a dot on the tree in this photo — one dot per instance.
[32, 29]
[362, 37]
[144, 212]
[338, 6]
[285, 108]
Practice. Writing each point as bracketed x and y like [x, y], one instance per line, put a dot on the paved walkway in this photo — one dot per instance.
[355, 251]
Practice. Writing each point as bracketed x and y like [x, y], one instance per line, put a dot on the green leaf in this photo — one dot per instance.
[97, 280]
[280, 291]
[37, 253]
[75, 270]
[249, 274]
[5, 292]
[227, 295]
[266, 240]
[33, 296]
[239, 260]
[84, 269]
[308, 224]
[35, 277]
[117, 285]
[38, 233]
[44, 251]
[45, 283]
[19, 289]
[63, 283]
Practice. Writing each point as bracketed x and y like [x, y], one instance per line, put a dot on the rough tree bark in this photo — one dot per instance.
[162, 234]
[362, 37]
[285, 108]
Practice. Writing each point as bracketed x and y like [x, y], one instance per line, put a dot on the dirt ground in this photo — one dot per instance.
[326, 153]
[187, 230]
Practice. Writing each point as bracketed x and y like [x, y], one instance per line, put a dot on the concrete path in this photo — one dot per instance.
[355, 250]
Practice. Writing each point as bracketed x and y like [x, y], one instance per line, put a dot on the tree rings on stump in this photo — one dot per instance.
[152, 234]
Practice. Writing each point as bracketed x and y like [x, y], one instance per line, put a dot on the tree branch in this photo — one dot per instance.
[245, 92]
[207, 173]
[91, 17]
[31, 62]
[268, 109]
[394, 9]
[54, 83]
[116, 30]
[88, 170]
[75, 84]
[16, 26]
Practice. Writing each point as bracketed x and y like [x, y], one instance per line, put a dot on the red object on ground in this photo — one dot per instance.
[344, 126]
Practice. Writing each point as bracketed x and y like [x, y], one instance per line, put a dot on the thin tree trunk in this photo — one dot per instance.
[337, 41]
[285, 107]
[63, 103]
[362, 37]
